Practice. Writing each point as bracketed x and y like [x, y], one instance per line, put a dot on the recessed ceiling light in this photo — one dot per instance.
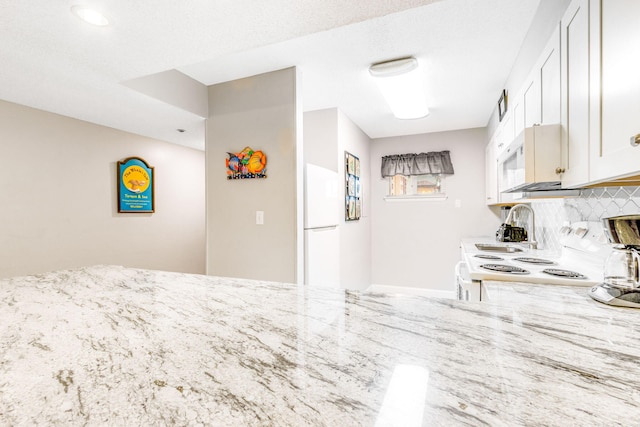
[181, 130]
[401, 85]
[89, 15]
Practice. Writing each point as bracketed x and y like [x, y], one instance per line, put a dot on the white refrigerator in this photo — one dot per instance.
[321, 234]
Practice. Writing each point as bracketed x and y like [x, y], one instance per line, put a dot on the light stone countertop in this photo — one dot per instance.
[115, 346]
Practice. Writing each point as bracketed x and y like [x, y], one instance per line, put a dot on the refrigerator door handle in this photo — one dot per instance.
[328, 227]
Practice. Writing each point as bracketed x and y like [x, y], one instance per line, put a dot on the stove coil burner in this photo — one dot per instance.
[539, 261]
[493, 257]
[564, 273]
[502, 268]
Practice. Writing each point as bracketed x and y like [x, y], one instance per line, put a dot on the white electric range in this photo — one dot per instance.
[579, 263]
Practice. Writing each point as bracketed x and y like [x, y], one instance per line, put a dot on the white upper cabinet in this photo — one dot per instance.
[531, 100]
[491, 173]
[587, 78]
[507, 134]
[615, 89]
[550, 82]
[575, 93]
[541, 91]
[518, 115]
[499, 143]
[536, 102]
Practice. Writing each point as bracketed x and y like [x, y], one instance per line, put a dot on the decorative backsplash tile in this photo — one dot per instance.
[592, 204]
[550, 216]
[597, 203]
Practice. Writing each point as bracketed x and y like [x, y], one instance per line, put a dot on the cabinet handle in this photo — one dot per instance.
[559, 170]
[635, 140]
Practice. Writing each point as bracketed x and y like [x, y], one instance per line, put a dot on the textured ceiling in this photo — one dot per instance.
[53, 61]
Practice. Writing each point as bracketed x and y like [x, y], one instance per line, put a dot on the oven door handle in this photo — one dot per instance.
[462, 277]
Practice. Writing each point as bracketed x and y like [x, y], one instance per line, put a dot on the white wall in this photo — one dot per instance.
[261, 112]
[416, 244]
[355, 236]
[59, 198]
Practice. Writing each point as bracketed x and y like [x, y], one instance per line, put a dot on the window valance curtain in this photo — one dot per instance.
[434, 162]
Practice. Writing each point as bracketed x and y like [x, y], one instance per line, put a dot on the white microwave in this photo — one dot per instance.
[533, 161]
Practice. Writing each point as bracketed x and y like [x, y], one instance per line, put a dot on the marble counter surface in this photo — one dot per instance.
[116, 346]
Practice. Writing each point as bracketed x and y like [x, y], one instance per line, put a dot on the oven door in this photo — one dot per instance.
[466, 288]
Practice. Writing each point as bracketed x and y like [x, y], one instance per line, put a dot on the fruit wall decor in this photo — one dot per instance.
[246, 164]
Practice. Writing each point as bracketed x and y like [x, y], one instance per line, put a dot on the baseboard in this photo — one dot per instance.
[434, 293]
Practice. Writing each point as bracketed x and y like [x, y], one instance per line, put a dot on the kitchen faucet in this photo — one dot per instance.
[531, 236]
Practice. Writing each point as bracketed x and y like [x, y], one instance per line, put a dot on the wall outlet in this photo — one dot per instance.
[259, 217]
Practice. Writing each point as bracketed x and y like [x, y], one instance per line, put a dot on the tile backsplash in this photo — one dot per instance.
[596, 203]
[592, 204]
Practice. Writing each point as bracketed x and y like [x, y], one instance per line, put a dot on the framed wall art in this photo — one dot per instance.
[135, 186]
[246, 164]
[353, 190]
[502, 105]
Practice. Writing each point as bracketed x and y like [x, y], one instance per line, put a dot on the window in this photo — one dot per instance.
[416, 176]
[416, 185]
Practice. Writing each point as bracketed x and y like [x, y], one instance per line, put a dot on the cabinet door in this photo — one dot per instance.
[499, 144]
[507, 133]
[518, 115]
[550, 93]
[491, 173]
[532, 103]
[616, 68]
[575, 92]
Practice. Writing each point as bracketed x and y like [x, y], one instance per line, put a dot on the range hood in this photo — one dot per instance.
[536, 186]
[532, 162]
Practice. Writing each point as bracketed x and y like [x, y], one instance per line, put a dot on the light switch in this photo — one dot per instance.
[260, 217]
[458, 203]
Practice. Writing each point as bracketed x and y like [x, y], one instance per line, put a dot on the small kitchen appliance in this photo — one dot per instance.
[509, 233]
[621, 285]
[529, 163]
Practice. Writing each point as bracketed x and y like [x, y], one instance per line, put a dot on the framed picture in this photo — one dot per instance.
[135, 186]
[351, 164]
[502, 105]
[351, 185]
[246, 164]
[352, 207]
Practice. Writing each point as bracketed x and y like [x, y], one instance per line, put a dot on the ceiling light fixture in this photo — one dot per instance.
[90, 16]
[401, 85]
